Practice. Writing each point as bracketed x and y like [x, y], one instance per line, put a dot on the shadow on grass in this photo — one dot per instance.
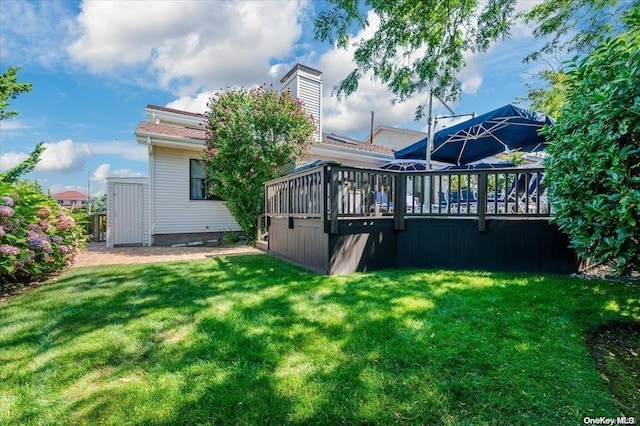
[253, 340]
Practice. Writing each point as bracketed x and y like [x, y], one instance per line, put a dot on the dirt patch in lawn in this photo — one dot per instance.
[615, 348]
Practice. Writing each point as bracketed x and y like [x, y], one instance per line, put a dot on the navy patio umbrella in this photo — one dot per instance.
[404, 165]
[417, 151]
[479, 166]
[506, 128]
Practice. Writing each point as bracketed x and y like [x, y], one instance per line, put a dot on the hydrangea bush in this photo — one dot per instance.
[37, 237]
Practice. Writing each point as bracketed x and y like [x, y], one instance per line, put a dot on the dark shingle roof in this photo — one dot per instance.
[346, 142]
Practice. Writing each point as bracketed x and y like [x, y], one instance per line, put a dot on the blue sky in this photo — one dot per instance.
[95, 66]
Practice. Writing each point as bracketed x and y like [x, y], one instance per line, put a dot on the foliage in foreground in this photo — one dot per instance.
[594, 161]
[421, 45]
[252, 135]
[10, 88]
[251, 340]
[37, 236]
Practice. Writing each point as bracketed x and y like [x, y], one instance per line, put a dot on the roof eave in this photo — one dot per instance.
[151, 139]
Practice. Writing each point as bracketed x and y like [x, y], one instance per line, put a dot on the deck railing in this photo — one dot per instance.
[335, 192]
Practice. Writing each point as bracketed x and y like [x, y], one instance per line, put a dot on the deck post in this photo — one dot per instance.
[482, 201]
[333, 192]
[399, 201]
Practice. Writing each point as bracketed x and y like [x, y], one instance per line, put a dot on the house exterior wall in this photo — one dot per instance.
[396, 139]
[111, 216]
[172, 210]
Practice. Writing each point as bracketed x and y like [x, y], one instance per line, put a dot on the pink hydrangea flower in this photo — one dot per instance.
[65, 222]
[2, 232]
[46, 246]
[6, 211]
[64, 249]
[8, 201]
[35, 228]
[43, 212]
[45, 225]
[9, 250]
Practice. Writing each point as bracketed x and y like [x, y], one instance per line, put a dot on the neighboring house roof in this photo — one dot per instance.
[346, 142]
[70, 195]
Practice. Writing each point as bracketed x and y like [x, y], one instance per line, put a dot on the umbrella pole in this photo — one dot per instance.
[427, 196]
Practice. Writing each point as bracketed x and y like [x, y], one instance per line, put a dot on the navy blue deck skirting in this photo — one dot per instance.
[368, 244]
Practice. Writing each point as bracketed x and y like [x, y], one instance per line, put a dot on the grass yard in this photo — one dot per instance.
[252, 340]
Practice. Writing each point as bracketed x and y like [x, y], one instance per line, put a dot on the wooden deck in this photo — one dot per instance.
[333, 219]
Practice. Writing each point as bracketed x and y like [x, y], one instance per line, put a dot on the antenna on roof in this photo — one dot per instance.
[371, 134]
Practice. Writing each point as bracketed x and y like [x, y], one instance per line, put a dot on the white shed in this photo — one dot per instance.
[128, 212]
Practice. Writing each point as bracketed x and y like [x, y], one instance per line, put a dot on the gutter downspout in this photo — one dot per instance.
[152, 192]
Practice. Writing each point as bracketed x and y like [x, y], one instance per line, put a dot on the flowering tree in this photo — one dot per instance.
[252, 135]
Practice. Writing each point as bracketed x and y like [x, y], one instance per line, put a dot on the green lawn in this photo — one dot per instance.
[252, 340]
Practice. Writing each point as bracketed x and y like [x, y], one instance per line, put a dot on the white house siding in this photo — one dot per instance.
[395, 138]
[173, 211]
[291, 86]
[310, 92]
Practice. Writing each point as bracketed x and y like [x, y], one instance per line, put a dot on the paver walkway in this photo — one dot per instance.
[99, 254]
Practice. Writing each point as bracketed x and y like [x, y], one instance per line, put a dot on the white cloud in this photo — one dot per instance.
[11, 159]
[197, 104]
[12, 124]
[64, 157]
[102, 172]
[125, 149]
[351, 115]
[188, 45]
[34, 31]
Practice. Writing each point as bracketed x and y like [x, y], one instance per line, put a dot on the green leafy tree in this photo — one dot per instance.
[99, 204]
[575, 25]
[418, 44]
[14, 173]
[421, 44]
[252, 135]
[10, 88]
[593, 167]
[548, 98]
